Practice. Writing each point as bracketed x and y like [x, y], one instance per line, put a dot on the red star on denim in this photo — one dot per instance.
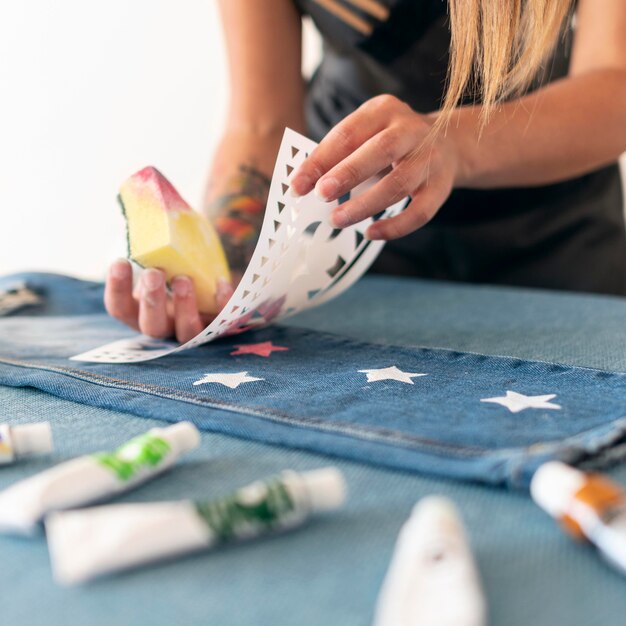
[260, 349]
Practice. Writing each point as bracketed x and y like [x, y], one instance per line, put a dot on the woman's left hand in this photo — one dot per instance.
[384, 132]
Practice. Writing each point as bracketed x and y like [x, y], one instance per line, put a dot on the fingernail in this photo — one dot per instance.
[181, 286]
[120, 269]
[326, 189]
[224, 289]
[372, 233]
[339, 218]
[152, 280]
[301, 185]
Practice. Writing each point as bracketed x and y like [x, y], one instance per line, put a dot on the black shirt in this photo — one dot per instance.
[568, 235]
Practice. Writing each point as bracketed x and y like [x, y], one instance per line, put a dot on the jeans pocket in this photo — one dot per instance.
[452, 413]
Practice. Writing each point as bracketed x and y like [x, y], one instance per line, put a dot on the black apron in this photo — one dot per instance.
[569, 235]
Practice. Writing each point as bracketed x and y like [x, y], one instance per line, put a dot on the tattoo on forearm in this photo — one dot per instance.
[238, 214]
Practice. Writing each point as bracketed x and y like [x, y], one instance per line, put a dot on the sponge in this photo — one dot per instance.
[164, 232]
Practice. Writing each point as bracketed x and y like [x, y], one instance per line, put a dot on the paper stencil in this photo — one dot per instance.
[300, 261]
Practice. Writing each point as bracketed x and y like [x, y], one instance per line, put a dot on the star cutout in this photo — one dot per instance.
[517, 402]
[260, 349]
[390, 373]
[229, 380]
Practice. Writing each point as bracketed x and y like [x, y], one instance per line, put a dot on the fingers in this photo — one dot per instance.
[376, 154]
[150, 310]
[382, 132]
[118, 294]
[153, 316]
[397, 184]
[223, 293]
[368, 120]
[425, 203]
[187, 320]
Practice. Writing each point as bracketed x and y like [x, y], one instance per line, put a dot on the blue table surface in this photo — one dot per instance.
[330, 571]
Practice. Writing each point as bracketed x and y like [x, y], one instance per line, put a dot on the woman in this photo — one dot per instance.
[511, 168]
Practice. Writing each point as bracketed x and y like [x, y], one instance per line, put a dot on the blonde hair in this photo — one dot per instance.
[498, 47]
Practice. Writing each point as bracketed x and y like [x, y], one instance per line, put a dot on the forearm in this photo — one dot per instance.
[263, 41]
[237, 192]
[264, 48]
[565, 129]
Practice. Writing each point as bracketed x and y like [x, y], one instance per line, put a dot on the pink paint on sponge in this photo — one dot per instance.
[163, 231]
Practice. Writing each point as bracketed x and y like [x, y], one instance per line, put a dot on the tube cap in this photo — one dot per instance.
[326, 488]
[437, 512]
[184, 436]
[32, 438]
[554, 485]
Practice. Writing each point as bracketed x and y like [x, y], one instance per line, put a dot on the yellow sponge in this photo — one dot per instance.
[163, 231]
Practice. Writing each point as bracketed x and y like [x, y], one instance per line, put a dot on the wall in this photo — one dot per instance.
[91, 92]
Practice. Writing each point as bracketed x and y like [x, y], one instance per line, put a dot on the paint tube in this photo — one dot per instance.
[588, 506]
[91, 542]
[432, 578]
[94, 477]
[23, 440]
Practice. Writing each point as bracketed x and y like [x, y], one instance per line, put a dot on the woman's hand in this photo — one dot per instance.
[383, 132]
[235, 203]
[149, 309]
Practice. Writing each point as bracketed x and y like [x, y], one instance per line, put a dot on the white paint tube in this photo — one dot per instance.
[432, 578]
[24, 440]
[94, 477]
[91, 542]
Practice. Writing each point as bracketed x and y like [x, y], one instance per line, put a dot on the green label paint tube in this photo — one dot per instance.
[91, 542]
[93, 477]
[136, 457]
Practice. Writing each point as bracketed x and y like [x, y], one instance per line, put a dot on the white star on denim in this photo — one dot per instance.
[229, 380]
[390, 373]
[517, 402]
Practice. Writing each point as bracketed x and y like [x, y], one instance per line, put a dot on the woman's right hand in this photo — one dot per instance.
[148, 307]
[241, 166]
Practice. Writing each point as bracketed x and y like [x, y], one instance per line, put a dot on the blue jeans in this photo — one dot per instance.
[315, 396]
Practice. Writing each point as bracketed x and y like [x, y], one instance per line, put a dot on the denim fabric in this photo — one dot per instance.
[329, 572]
[61, 295]
[313, 395]
[575, 329]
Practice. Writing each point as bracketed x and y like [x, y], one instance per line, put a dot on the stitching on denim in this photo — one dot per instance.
[378, 435]
[407, 350]
[578, 450]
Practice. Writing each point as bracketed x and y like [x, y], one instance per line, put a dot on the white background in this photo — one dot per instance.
[90, 92]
